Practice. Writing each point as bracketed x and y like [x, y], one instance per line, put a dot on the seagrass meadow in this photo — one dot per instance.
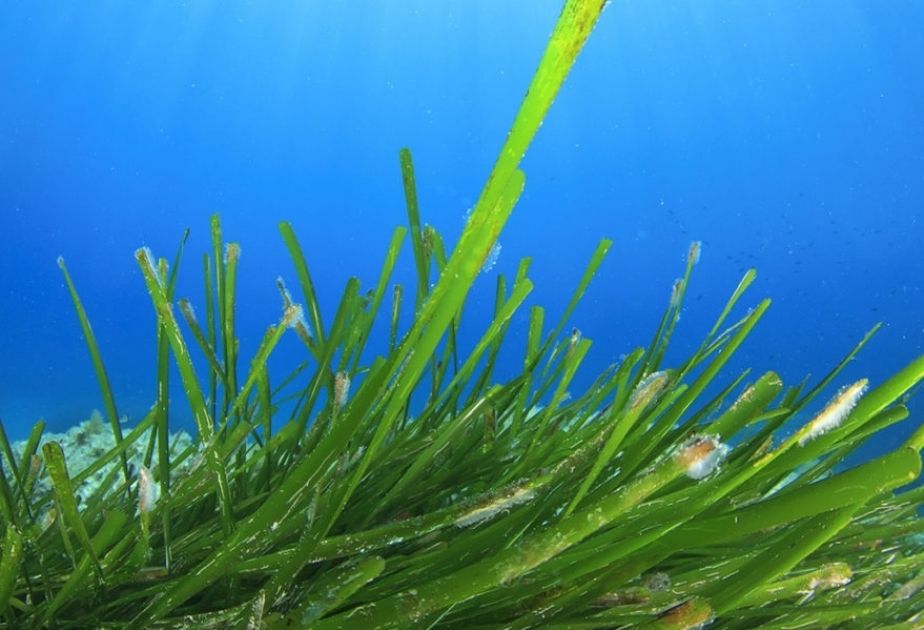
[660, 497]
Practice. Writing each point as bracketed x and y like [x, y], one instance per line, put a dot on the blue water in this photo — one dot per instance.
[785, 136]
